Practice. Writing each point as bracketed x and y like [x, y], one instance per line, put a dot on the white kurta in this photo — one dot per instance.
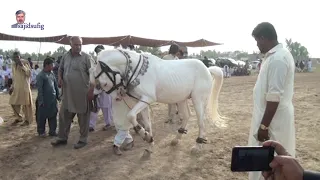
[34, 73]
[170, 57]
[120, 111]
[275, 83]
[104, 100]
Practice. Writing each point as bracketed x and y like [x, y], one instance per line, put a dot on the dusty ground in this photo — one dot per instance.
[25, 156]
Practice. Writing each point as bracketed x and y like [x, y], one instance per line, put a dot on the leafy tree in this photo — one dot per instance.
[153, 50]
[36, 56]
[298, 51]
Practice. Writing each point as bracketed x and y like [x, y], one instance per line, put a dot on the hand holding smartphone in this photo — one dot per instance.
[251, 158]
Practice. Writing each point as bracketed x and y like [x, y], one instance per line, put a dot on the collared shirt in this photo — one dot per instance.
[277, 73]
[48, 92]
[75, 71]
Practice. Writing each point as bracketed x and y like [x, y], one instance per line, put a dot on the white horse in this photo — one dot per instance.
[149, 79]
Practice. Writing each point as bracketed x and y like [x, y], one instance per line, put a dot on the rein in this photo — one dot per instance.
[128, 83]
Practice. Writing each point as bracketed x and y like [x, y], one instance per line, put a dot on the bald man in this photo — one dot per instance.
[77, 92]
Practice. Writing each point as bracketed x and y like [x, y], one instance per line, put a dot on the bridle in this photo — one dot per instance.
[125, 81]
[107, 70]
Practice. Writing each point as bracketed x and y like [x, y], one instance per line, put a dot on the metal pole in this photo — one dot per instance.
[39, 53]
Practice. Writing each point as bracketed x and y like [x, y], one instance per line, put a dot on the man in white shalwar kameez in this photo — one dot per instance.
[273, 111]
[123, 138]
[101, 101]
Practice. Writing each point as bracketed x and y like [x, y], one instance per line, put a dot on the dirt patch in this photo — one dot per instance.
[25, 156]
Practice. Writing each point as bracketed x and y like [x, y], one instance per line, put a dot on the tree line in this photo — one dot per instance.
[298, 51]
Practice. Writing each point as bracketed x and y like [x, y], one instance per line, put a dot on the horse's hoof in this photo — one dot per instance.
[195, 150]
[174, 142]
[146, 154]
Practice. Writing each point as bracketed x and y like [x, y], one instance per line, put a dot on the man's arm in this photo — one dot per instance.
[88, 64]
[277, 72]
[60, 71]
[56, 88]
[26, 68]
[40, 89]
[13, 71]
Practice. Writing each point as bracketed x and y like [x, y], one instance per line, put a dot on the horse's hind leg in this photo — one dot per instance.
[200, 106]
[184, 113]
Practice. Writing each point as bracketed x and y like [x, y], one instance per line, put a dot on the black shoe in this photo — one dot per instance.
[53, 134]
[91, 129]
[42, 135]
[106, 127]
[79, 145]
[59, 143]
[25, 123]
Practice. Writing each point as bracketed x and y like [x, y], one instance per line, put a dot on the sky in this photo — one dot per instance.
[224, 21]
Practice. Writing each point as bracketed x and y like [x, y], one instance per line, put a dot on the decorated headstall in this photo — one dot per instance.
[129, 80]
[107, 70]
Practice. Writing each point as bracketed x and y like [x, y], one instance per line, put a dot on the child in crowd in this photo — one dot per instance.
[46, 103]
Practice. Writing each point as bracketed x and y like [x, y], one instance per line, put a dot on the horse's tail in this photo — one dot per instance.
[217, 74]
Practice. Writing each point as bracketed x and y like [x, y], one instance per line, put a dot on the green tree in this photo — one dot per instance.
[298, 51]
[36, 56]
[153, 50]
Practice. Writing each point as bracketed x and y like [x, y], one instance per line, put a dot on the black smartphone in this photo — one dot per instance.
[251, 158]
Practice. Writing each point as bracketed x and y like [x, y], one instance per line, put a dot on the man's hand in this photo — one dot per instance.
[11, 90]
[263, 135]
[19, 62]
[60, 82]
[90, 94]
[284, 167]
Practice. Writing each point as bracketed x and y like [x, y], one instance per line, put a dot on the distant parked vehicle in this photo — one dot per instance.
[255, 64]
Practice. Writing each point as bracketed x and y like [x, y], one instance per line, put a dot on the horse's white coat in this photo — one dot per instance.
[167, 82]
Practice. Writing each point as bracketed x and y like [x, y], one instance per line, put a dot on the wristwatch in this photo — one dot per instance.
[263, 127]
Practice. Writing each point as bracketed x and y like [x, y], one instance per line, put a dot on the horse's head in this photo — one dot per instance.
[111, 68]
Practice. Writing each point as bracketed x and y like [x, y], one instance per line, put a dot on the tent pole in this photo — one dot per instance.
[39, 53]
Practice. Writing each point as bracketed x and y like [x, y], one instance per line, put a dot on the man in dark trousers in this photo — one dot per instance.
[46, 103]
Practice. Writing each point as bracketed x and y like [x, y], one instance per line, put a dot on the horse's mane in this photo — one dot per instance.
[148, 54]
[133, 53]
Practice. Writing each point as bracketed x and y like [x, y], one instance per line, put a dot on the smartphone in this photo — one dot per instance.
[251, 158]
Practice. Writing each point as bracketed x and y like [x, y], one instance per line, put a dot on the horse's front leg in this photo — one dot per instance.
[132, 117]
[146, 117]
